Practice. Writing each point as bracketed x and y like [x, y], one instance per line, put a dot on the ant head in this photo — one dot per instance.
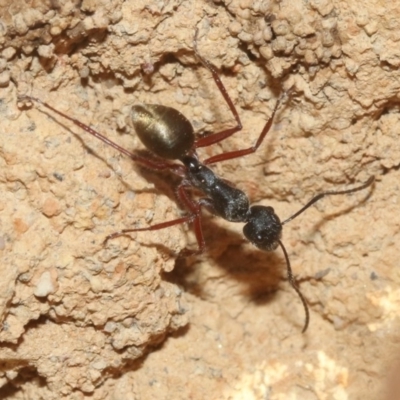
[263, 228]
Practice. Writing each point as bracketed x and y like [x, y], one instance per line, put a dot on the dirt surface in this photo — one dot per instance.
[130, 319]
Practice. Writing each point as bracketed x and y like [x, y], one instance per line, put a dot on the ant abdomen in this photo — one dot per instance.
[163, 130]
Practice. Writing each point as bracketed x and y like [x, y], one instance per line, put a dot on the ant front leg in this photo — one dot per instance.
[193, 217]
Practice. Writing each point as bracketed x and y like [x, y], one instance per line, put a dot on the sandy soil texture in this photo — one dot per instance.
[130, 319]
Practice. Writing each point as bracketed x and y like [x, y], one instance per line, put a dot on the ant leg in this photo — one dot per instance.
[144, 161]
[195, 208]
[239, 153]
[123, 232]
[216, 137]
[328, 193]
[194, 216]
[295, 287]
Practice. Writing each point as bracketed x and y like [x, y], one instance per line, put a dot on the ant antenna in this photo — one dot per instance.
[292, 282]
[290, 276]
[328, 193]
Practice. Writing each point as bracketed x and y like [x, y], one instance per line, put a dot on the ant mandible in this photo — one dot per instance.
[170, 136]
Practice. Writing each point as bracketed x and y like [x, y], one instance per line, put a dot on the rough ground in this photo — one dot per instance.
[130, 320]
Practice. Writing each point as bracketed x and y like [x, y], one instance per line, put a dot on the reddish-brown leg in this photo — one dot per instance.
[217, 137]
[154, 163]
[243, 152]
[194, 216]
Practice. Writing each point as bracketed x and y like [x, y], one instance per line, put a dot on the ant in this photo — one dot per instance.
[170, 136]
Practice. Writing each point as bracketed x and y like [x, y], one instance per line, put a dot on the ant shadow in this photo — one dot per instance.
[260, 273]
